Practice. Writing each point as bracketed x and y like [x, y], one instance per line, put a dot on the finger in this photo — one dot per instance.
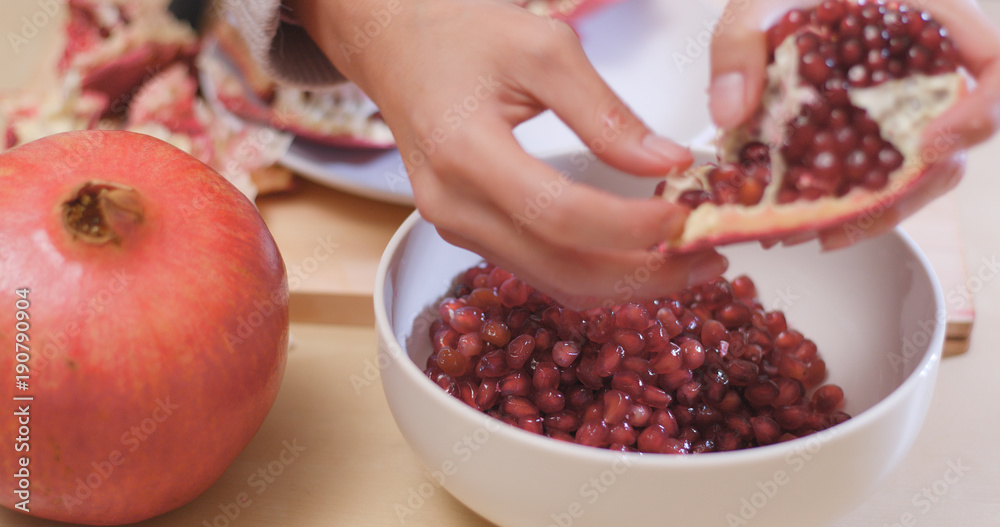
[976, 116]
[535, 198]
[568, 84]
[738, 62]
[971, 120]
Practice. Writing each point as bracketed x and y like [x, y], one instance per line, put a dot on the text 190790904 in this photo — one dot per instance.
[22, 400]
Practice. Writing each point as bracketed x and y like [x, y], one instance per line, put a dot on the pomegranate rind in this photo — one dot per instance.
[133, 50]
[902, 108]
[341, 116]
[100, 380]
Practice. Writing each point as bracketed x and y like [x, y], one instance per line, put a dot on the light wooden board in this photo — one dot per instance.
[331, 243]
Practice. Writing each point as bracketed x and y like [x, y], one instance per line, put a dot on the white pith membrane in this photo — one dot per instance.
[32, 114]
[340, 115]
[131, 25]
[901, 107]
[167, 108]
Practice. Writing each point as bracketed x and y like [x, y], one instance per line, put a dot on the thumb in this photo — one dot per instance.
[739, 59]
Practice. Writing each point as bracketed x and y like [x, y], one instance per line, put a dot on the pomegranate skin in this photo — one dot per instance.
[155, 355]
[842, 136]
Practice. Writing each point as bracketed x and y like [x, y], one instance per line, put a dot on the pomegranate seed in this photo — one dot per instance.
[467, 319]
[578, 397]
[609, 359]
[600, 328]
[513, 292]
[632, 316]
[470, 344]
[546, 376]
[516, 383]
[492, 364]
[791, 417]
[617, 405]
[694, 198]
[549, 400]
[656, 339]
[827, 398]
[487, 395]
[693, 354]
[518, 407]
[765, 429]
[483, 297]
[593, 433]
[713, 333]
[762, 393]
[789, 391]
[734, 315]
[837, 417]
[711, 371]
[586, 373]
[628, 382]
[565, 352]
[519, 351]
[623, 434]
[563, 421]
[668, 360]
[453, 362]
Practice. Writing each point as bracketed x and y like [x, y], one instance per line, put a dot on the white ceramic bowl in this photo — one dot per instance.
[873, 309]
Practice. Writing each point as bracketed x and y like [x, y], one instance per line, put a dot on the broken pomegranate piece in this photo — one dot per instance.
[115, 45]
[341, 115]
[705, 370]
[851, 85]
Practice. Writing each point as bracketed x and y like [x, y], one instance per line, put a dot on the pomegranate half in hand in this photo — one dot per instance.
[147, 305]
[851, 86]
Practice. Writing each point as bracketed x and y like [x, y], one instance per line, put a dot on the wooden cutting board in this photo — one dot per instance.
[937, 231]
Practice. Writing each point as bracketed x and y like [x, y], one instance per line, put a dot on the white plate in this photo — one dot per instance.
[653, 53]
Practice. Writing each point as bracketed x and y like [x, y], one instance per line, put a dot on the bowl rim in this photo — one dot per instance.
[929, 360]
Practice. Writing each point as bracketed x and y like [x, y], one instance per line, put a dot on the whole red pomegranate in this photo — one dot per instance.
[851, 86]
[144, 322]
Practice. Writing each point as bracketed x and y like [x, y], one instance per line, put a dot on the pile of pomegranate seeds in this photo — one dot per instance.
[705, 370]
[833, 146]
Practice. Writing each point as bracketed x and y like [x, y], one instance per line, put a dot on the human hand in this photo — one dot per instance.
[739, 56]
[452, 78]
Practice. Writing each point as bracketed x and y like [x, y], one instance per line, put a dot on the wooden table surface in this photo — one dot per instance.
[354, 468]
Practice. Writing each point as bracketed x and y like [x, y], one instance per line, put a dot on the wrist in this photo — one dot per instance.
[344, 31]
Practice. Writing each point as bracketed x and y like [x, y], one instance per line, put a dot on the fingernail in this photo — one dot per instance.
[666, 149]
[727, 99]
[707, 268]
